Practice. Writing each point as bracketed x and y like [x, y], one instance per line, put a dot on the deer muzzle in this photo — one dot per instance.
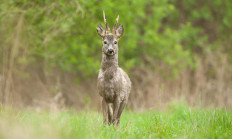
[110, 51]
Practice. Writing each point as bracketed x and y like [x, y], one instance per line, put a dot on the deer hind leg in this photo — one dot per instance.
[121, 108]
[105, 111]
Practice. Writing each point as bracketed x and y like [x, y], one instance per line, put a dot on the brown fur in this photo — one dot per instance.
[114, 84]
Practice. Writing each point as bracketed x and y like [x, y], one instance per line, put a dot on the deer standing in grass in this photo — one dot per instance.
[114, 85]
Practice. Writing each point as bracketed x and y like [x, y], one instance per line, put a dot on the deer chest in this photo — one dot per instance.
[109, 88]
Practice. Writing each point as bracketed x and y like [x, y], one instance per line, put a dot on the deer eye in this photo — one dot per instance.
[105, 42]
[115, 42]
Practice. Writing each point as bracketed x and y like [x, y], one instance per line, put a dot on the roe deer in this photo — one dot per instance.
[114, 85]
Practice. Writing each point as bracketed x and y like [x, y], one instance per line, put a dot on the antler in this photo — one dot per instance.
[107, 28]
[115, 25]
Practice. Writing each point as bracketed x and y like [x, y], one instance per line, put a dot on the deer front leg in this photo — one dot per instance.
[116, 108]
[121, 108]
[105, 110]
[110, 113]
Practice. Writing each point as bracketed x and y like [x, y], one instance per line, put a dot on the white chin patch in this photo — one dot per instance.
[110, 54]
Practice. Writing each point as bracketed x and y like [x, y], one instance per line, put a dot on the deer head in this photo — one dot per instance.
[110, 40]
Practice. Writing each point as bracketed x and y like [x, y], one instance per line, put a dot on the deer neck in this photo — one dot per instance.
[109, 65]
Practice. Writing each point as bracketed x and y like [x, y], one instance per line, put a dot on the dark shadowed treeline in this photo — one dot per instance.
[50, 52]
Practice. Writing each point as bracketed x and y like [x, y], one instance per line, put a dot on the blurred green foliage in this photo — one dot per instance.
[62, 34]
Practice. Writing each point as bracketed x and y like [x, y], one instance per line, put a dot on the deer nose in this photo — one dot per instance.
[110, 51]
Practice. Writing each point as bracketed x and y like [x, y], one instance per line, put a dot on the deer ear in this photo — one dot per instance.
[101, 31]
[119, 31]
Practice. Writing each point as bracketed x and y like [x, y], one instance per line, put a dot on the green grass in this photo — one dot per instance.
[178, 121]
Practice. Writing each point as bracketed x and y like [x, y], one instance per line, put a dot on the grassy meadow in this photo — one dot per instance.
[176, 121]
